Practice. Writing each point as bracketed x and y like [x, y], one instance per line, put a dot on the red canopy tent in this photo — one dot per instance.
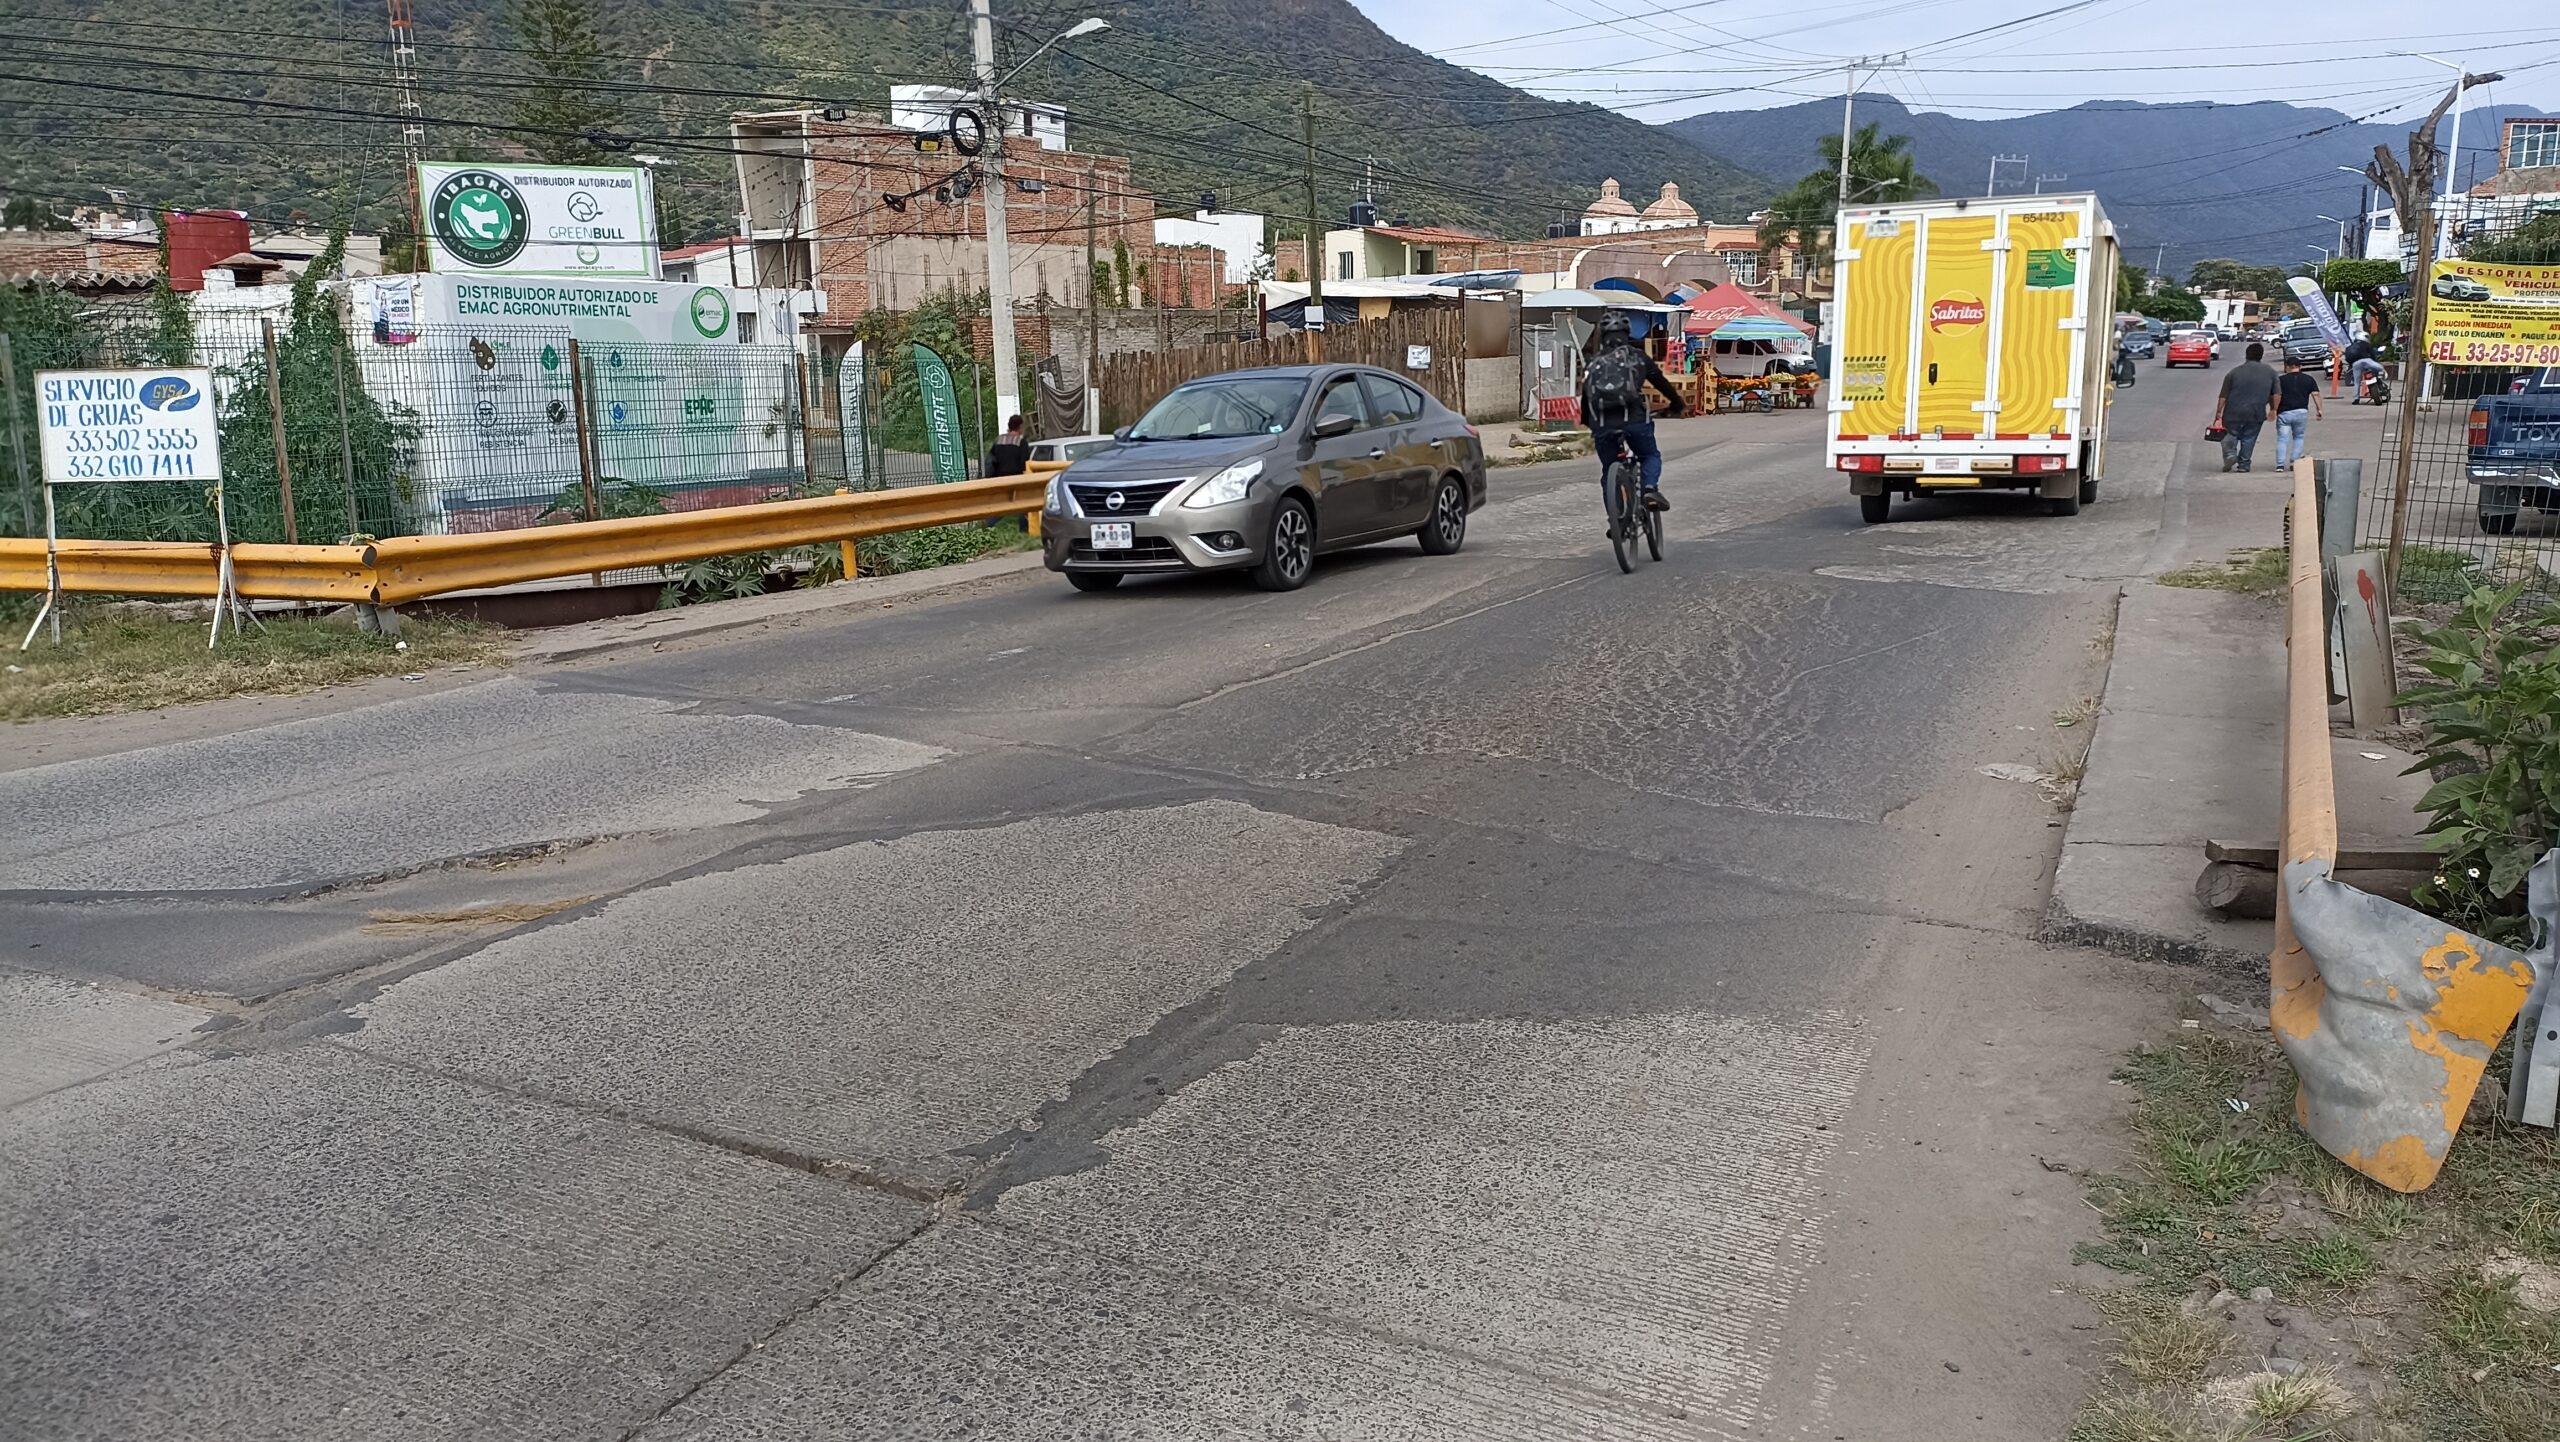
[1712, 309]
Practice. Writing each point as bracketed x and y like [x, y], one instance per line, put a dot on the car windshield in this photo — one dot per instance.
[1229, 406]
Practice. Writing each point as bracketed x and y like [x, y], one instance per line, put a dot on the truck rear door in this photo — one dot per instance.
[1956, 290]
[2042, 295]
[1874, 362]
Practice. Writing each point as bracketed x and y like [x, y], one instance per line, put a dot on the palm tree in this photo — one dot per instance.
[1881, 171]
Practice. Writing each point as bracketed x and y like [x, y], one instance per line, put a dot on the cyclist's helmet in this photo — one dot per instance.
[1615, 329]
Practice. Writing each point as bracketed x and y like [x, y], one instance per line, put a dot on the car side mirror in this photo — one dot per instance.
[1331, 426]
[1122, 434]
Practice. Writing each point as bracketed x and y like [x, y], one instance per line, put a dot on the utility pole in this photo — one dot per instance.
[1315, 230]
[2157, 261]
[1092, 304]
[2041, 179]
[1848, 100]
[1992, 186]
[999, 254]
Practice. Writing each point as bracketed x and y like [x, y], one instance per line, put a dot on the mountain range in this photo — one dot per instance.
[2182, 182]
[287, 107]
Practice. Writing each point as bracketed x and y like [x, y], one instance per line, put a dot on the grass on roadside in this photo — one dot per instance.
[2229, 1196]
[113, 663]
[2252, 571]
[940, 546]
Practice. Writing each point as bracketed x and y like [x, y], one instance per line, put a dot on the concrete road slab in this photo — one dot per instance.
[56, 1033]
[977, 1331]
[1629, 1204]
[311, 1246]
[931, 991]
[393, 786]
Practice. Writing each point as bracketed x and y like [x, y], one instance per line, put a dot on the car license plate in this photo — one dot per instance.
[1114, 535]
[1947, 463]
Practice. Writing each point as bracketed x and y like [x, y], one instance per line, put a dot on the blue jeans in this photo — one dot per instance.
[2240, 436]
[2293, 430]
[1639, 438]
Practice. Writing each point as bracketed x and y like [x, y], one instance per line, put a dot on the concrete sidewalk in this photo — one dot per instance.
[2190, 744]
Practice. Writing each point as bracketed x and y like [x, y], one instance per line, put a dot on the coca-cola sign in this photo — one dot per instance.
[1956, 308]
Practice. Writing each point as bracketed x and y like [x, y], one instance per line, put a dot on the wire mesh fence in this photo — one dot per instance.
[2467, 475]
[330, 431]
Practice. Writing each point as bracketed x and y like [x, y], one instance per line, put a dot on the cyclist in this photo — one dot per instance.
[1613, 404]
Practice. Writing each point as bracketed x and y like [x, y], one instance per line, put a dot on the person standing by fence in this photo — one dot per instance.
[2247, 399]
[2297, 399]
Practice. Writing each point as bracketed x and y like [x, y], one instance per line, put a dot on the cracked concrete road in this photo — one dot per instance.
[1484, 997]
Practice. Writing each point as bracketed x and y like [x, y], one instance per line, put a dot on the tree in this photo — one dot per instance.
[2171, 302]
[1880, 173]
[567, 102]
[25, 212]
[2132, 283]
[2266, 281]
[2536, 242]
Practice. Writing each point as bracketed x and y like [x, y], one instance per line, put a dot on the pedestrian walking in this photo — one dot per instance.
[1012, 455]
[2241, 411]
[2297, 400]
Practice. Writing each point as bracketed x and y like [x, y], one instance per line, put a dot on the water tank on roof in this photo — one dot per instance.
[199, 238]
[1363, 214]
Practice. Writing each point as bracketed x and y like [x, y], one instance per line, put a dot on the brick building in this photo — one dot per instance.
[818, 216]
[1654, 259]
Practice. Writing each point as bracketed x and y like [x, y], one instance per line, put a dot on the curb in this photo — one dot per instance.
[2061, 928]
[687, 622]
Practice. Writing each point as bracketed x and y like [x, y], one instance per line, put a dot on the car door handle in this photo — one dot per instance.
[1377, 453]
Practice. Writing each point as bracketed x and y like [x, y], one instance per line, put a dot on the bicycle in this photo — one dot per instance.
[1622, 493]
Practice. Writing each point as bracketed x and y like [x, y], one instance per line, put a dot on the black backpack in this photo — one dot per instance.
[1616, 383]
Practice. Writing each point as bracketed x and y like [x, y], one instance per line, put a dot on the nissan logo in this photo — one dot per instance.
[1115, 500]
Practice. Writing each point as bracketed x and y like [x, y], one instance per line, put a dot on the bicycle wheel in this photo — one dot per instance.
[1620, 494]
[1653, 532]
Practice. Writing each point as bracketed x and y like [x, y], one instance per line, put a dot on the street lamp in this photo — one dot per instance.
[2452, 165]
[999, 251]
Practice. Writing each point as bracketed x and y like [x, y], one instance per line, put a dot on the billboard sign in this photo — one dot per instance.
[2480, 313]
[127, 425]
[565, 220]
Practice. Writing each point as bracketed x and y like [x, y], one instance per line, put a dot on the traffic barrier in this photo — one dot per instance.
[410, 568]
[2388, 1015]
[189, 568]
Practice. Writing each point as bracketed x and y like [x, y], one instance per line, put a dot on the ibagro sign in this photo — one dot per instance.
[566, 220]
[146, 425]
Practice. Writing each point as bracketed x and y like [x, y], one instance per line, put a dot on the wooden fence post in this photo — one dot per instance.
[275, 418]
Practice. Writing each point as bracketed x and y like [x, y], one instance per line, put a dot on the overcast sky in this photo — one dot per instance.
[1663, 59]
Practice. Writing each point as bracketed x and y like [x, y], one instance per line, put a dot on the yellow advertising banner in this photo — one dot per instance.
[2480, 313]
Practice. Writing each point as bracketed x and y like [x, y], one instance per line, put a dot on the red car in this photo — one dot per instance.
[2191, 348]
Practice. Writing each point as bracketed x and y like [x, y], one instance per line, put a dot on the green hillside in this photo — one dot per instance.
[285, 106]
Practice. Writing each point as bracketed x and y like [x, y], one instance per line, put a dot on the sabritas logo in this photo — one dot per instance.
[1955, 308]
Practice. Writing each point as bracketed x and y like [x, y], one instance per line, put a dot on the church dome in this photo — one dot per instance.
[1610, 202]
[1670, 207]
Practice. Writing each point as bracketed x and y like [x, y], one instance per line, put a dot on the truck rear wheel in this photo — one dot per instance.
[2063, 505]
[1875, 509]
[2088, 489]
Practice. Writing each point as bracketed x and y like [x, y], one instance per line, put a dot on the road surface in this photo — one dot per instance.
[1483, 997]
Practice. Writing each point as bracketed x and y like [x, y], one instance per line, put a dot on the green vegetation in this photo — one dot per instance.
[2491, 718]
[1457, 148]
[2267, 281]
[112, 663]
[2227, 1195]
[1880, 171]
[567, 97]
[2171, 302]
[2252, 571]
[2353, 277]
[2536, 242]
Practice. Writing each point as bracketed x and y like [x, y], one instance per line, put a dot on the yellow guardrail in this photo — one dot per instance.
[409, 568]
[188, 568]
[2388, 1015]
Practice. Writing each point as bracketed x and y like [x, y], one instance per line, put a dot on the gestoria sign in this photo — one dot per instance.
[538, 220]
[2480, 313]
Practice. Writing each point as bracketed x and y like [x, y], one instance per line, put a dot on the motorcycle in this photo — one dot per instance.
[2124, 373]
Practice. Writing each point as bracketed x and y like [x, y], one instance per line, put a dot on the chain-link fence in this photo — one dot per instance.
[2464, 477]
[330, 431]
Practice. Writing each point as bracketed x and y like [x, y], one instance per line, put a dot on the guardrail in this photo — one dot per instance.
[410, 568]
[2388, 1015]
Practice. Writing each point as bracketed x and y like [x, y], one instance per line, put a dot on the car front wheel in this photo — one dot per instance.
[1289, 550]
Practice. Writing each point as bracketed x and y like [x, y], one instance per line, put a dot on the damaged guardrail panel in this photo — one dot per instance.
[2388, 1015]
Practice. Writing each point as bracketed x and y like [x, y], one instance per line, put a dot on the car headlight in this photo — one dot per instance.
[1058, 502]
[1225, 488]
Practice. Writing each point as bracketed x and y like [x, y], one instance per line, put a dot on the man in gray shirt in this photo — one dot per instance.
[2248, 395]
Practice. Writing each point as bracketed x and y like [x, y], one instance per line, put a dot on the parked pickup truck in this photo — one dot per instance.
[2514, 450]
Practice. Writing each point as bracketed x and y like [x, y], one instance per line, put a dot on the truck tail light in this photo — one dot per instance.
[2479, 435]
[1862, 463]
[2031, 464]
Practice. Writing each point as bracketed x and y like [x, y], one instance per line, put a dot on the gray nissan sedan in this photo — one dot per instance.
[1264, 470]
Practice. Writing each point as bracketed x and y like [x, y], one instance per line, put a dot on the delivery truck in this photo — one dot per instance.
[1971, 347]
